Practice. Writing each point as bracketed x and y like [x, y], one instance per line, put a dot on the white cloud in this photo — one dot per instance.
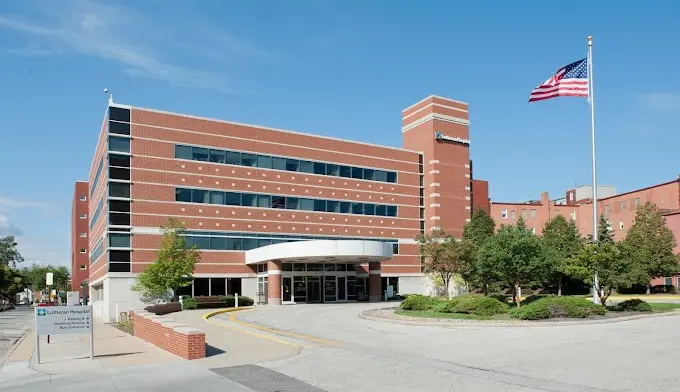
[662, 101]
[7, 228]
[9, 202]
[144, 46]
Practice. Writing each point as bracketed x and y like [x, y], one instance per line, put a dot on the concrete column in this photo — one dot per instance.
[374, 283]
[274, 282]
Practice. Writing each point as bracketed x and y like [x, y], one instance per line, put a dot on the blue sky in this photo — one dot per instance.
[338, 68]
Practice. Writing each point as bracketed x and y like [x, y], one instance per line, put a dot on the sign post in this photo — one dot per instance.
[63, 320]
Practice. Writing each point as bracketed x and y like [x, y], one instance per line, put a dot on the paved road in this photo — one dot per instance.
[13, 325]
[361, 355]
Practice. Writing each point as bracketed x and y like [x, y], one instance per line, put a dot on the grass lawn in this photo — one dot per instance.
[663, 307]
[459, 316]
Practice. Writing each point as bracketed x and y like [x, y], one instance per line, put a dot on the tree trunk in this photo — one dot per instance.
[514, 293]
[559, 285]
[518, 293]
[649, 289]
[446, 286]
[486, 288]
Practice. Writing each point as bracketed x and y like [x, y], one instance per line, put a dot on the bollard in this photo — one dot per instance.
[181, 302]
[236, 300]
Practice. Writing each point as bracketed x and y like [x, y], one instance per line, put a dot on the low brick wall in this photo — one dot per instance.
[179, 339]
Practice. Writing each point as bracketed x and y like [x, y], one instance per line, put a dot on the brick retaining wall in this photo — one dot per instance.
[177, 338]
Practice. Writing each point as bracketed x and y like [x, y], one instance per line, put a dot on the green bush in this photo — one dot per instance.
[229, 301]
[632, 305]
[189, 303]
[478, 305]
[419, 302]
[535, 297]
[558, 307]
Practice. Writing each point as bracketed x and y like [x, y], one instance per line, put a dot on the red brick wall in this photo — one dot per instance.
[480, 196]
[185, 342]
[77, 242]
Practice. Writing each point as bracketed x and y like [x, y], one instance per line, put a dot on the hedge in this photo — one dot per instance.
[418, 302]
[558, 307]
[632, 305]
[475, 304]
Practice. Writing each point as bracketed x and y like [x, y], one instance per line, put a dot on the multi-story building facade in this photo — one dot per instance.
[280, 216]
[79, 238]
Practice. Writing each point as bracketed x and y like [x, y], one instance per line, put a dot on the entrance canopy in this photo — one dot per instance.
[319, 251]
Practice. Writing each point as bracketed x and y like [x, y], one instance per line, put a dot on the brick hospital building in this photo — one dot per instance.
[280, 216]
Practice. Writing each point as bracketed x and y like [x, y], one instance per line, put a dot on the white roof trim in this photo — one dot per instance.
[357, 251]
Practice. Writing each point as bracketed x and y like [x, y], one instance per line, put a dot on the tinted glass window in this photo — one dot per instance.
[119, 267]
[249, 243]
[279, 163]
[332, 206]
[117, 189]
[307, 204]
[119, 219]
[263, 201]
[219, 243]
[182, 194]
[391, 176]
[117, 173]
[200, 154]
[119, 160]
[119, 240]
[345, 171]
[357, 208]
[233, 199]
[264, 162]
[391, 210]
[319, 205]
[119, 114]
[320, 168]
[292, 203]
[119, 128]
[357, 172]
[381, 210]
[183, 152]
[248, 159]
[380, 175]
[218, 156]
[306, 167]
[278, 202]
[233, 158]
[248, 200]
[345, 207]
[119, 205]
[120, 144]
[200, 196]
[234, 244]
[369, 174]
[265, 242]
[395, 249]
[332, 170]
[202, 242]
[292, 165]
[216, 197]
[369, 209]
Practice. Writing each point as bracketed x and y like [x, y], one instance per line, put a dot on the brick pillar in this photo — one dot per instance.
[274, 282]
[374, 283]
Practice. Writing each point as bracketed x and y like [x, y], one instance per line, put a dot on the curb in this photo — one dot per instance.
[228, 310]
[14, 347]
[452, 323]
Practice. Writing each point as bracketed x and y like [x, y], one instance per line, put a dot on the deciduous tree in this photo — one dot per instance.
[480, 228]
[563, 242]
[444, 255]
[9, 254]
[174, 265]
[613, 271]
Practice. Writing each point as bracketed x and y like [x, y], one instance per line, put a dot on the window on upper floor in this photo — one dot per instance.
[637, 202]
[532, 213]
[572, 215]
[119, 144]
[504, 213]
[83, 235]
[83, 250]
[83, 267]
[83, 216]
[119, 114]
[512, 214]
[523, 213]
[623, 205]
[620, 225]
[83, 198]
[607, 209]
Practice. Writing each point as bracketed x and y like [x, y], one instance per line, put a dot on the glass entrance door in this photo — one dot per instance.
[342, 293]
[286, 290]
[330, 289]
[313, 289]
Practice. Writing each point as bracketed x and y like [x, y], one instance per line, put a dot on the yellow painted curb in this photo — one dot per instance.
[228, 310]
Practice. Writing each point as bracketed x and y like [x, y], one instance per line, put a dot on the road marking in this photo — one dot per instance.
[252, 333]
[313, 339]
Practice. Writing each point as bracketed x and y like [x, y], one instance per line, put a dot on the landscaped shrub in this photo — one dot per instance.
[663, 289]
[535, 297]
[478, 305]
[190, 303]
[162, 309]
[632, 305]
[558, 307]
[419, 302]
[229, 301]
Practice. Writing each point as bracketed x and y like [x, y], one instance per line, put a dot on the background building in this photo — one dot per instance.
[80, 238]
[279, 216]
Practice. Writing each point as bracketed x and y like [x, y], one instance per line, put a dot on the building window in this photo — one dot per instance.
[83, 216]
[83, 250]
[119, 114]
[119, 240]
[83, 235]
[512, 214]
[523, 213]
[119, 128]
[637, 202]
[83, 198]
[607, 209]
[668, 281]
[622, 206]
[504, 214]
[83, 267]
[117, 189]
[533, 230]
[119, 144]
[620, 225]
[532, 213]
[572, 215]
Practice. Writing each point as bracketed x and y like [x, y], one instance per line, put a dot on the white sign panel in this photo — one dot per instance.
[72, 298]
[49, 279]
[390, 291]
[57, 320]
[440, 136]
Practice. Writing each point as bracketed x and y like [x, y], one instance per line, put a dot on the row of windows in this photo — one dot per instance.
[277, 163]
[96, 176]
[97, 212]
[248, 241]
[283, 202]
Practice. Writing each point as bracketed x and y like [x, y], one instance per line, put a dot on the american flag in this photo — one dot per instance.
[569, 81]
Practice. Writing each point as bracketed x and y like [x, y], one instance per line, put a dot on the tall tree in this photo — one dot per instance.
[563, 242]
[444, 255]
[36, 276]
[9, 254]
[12, 281]
[515, 256]
[605, 235]
[613, 271]
[174, 265]
[480, 228]
[649, 244]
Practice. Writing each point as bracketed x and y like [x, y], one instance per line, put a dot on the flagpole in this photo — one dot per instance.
[591, 99]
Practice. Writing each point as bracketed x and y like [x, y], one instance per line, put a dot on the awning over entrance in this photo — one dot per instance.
[319, 251]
